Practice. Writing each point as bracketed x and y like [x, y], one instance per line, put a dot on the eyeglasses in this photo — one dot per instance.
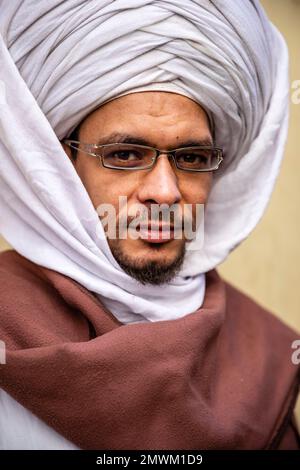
[122, 156]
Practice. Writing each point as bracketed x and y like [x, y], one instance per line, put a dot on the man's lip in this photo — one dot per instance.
[156, 236]
[157, 227]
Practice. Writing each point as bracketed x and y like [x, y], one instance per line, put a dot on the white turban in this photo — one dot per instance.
[60, 60]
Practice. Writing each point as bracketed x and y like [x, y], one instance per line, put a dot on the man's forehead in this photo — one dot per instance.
[133, 119]
[151, 104]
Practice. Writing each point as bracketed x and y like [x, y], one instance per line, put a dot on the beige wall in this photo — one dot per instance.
[267, 265]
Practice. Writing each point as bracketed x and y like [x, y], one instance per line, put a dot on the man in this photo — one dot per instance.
[136, 342]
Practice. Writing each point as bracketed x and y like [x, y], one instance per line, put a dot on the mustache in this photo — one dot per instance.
[163, 220]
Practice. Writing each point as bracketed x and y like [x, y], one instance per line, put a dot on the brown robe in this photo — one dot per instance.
[218, 378]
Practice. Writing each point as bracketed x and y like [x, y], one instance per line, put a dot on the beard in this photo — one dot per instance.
[155, 272]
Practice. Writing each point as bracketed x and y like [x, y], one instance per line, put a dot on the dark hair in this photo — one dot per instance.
[74, 136]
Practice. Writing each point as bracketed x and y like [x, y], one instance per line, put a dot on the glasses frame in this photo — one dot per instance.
[159, 152]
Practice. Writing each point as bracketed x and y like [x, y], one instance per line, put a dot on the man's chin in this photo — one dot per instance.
[152, 264]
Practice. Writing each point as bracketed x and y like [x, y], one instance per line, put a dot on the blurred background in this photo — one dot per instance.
[266, 266]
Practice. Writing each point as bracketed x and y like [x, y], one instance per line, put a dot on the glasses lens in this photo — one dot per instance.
[127, 156]
[197, 158]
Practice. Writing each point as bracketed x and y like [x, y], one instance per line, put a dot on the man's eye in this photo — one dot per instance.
[126, 155]
[124, 158]
[192, 158]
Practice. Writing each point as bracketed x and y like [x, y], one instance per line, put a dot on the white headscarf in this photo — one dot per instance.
[62, 60]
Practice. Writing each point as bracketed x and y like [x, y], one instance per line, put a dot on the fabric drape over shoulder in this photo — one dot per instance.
[219, 378]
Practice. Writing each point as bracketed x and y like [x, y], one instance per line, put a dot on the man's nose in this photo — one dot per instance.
[160, 184]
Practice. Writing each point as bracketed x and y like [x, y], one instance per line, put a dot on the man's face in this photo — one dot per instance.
[162, 120]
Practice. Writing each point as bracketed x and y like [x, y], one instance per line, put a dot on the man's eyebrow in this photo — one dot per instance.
[131, 139]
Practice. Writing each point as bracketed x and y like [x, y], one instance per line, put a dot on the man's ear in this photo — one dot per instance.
[68, 151]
